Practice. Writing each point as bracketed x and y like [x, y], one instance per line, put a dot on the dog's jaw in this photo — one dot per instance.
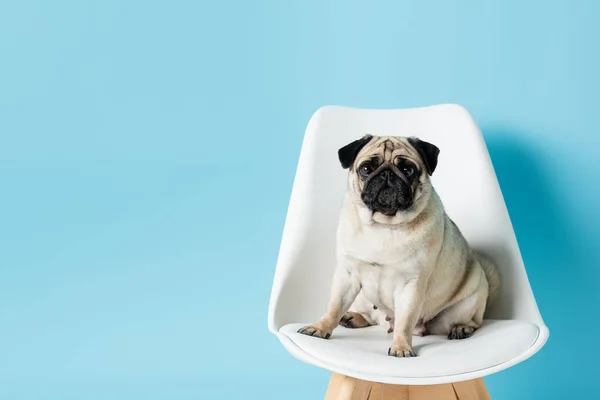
[369, 217]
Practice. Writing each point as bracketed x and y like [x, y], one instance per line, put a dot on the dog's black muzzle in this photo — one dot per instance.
[387, 190]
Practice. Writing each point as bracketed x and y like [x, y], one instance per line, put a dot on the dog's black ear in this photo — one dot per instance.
[428, 152]
[348, 153]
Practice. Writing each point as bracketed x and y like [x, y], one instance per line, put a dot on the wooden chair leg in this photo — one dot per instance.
[346, 388]
[471, 390]
[333, 389]
[433, 392]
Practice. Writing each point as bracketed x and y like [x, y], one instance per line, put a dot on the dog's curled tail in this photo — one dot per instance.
[492, 275]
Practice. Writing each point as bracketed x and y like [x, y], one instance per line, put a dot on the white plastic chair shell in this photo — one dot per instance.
[466, 182]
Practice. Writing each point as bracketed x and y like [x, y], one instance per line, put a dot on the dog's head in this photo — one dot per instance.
[389, 174]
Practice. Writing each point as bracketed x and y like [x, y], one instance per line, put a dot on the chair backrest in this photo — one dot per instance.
[465, 180]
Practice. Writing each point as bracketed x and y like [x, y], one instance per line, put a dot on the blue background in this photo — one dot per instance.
[148, 149]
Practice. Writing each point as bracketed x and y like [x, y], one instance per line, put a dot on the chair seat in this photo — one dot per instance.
[362, 353]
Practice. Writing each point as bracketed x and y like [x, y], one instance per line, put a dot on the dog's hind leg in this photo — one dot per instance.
[463, 318]
[465, 330]
[361, 315]
[354, 319]
[459, 321]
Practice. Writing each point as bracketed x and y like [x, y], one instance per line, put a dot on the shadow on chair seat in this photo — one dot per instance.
[362, 353]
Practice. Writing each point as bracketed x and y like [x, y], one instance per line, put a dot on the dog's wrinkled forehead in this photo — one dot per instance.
[424, 154]
[388, 148]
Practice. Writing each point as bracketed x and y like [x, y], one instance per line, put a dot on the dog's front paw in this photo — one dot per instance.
[312, 330]
[401, 351]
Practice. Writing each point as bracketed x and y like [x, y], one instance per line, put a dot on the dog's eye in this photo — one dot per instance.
[408, 170]
[365, 168]
[407, 167]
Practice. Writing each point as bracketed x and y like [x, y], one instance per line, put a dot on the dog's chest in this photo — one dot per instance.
[385, 260]
[379, 247]
[380, 282]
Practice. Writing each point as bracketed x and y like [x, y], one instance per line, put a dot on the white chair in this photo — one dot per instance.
[513, 329]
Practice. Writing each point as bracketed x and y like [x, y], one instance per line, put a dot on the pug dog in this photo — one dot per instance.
[400, 258]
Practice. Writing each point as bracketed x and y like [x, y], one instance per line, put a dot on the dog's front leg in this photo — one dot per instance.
[408, 301]
[344, 289]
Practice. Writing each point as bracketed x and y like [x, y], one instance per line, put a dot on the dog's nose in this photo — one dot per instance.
[387, 175]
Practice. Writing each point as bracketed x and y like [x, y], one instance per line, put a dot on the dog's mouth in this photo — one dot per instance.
[389, 202]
